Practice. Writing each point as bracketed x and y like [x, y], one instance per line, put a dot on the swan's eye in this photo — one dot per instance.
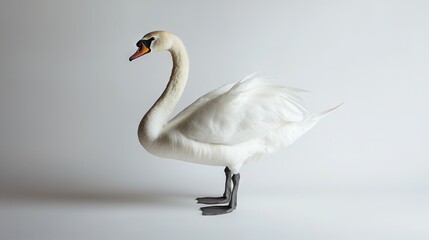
[146, 42]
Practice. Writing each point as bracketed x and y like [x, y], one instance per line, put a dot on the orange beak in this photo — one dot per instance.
[140, 52]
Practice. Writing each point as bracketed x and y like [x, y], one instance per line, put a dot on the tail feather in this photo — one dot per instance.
[318, 116]
[293, 130]
[313, 118]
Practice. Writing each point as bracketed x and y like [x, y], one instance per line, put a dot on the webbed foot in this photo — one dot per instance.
[217, 210]
[231, 198]
[213, 200]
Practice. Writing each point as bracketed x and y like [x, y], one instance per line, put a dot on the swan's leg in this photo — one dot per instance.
[217, 210]
[226, 195]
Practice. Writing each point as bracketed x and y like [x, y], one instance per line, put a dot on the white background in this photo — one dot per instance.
[71, 166]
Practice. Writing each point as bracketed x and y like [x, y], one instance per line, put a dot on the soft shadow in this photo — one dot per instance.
[159, 198]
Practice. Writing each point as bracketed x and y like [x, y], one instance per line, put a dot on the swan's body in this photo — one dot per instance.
[228, 126]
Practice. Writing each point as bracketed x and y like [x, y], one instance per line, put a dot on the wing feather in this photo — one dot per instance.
[240, 111]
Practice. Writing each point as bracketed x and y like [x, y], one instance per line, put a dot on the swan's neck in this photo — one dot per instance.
[156, 118]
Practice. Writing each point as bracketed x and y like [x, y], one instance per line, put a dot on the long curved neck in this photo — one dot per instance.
[156, 118]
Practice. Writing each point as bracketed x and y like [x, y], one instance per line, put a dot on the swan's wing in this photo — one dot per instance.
[198, 103]
[249, 108]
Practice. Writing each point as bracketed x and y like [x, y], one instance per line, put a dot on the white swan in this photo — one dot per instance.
[227, 127]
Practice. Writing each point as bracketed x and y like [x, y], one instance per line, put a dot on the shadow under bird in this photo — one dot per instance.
[228, 126]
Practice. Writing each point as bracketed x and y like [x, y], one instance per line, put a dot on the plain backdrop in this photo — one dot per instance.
[70, 104]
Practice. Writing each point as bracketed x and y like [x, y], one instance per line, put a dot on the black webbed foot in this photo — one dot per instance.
[217, 210]
[225, 198]
[229, 196]
[213, 200]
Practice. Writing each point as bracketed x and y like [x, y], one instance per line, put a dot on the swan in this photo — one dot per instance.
[228, 126]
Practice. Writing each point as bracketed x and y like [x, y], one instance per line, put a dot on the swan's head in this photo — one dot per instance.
[154, 41]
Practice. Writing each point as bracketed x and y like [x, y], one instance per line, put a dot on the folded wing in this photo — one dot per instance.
[240, 111]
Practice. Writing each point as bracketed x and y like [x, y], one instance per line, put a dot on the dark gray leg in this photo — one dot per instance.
[217, 210]
[226, 194]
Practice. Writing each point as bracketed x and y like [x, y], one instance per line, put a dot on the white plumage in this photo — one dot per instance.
[228, 126]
